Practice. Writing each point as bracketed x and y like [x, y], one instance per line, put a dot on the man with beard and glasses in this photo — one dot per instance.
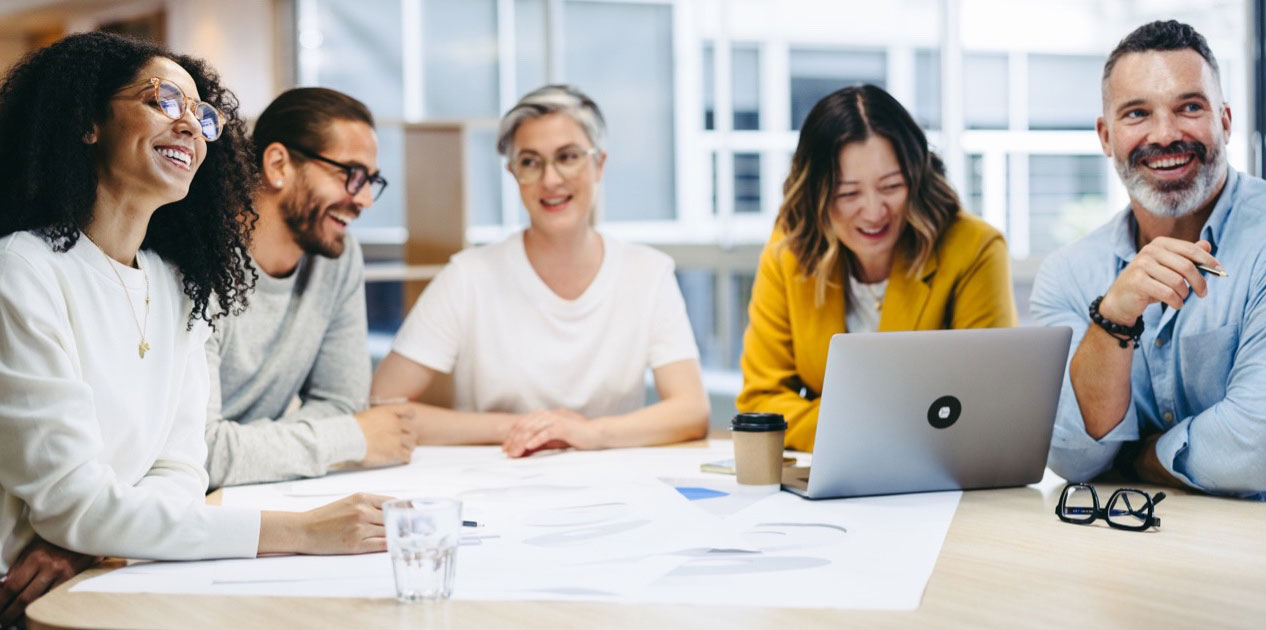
[303, 334]
[1167, 381]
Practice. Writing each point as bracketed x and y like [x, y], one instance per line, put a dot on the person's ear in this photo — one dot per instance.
[90, 136]
[1101, 128]
[601, 164]
[276, 166]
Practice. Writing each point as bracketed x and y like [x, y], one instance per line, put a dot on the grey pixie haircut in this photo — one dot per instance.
[551, 99]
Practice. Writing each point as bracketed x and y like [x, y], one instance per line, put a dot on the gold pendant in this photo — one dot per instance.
[142, 348]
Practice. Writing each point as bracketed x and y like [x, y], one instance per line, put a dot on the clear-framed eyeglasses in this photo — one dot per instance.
[168, 98]
[1127, 508]
[529, 168]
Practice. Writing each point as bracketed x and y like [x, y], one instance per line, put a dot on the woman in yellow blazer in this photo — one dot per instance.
[870, 237]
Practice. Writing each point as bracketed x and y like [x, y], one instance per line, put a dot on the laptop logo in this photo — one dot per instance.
[944, 412]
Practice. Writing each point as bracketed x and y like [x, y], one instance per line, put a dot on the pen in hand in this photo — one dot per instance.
[1221, 273]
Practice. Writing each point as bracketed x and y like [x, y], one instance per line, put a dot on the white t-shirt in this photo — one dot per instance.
[863, 304]
[515, 346]
[102, 451]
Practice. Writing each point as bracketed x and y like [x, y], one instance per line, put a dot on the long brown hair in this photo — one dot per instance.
[842, 117]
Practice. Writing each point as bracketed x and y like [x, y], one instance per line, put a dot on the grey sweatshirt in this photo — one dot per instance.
[303, 335]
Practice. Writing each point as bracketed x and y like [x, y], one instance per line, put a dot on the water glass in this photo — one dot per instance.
[422, 538]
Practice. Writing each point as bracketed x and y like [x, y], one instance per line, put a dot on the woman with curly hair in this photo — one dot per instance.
[124, 221]
[870, 237]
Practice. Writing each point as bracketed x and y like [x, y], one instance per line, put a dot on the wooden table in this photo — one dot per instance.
[1007, 562]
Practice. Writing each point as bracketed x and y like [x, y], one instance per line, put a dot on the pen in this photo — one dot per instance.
[471, 524]
[1221, 273]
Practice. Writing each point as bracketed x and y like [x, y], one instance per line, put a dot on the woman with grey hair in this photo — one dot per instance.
[549, 333]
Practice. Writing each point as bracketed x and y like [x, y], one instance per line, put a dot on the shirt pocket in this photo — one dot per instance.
[1205, 361]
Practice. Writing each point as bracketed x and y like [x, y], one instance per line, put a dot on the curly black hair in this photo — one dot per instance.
[49, 102]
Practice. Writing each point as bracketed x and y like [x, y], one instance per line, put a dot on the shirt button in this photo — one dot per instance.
[1159, 342]
[1169, 416]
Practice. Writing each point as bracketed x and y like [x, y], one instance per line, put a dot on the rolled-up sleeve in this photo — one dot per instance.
[1058, 301]
[1222, 450]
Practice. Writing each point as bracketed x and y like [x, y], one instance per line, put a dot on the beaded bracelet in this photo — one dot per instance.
[1123, 334]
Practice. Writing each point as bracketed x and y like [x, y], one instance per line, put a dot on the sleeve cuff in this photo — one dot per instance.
[1076, 456]
[233, 532]
[1171, 450]
[341, 438]
[1076, 437]
[432, 360]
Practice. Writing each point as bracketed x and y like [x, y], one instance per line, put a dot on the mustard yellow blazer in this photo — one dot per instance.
[965, 284]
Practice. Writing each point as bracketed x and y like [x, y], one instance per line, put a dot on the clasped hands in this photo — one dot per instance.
[548, 429]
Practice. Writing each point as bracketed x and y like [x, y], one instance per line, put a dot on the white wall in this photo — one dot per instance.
[238, 39]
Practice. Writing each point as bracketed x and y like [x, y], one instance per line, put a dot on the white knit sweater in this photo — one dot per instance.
[102, 451]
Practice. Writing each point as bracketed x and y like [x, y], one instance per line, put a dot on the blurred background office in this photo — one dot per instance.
[704, 99]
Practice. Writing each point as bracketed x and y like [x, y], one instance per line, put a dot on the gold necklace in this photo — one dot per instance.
[142, 347]
[876, 297]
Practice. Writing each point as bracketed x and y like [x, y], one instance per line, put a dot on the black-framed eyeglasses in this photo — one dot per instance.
[1127, 508]
[357, 175]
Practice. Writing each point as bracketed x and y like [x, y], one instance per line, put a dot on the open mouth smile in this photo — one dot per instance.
[179, 156]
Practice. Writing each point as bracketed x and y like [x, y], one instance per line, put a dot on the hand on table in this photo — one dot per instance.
[389, 438]
[1163, 271]
[352, 524]
[41, 568]
[546, 429]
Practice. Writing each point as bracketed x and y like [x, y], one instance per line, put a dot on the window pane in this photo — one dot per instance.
[347, 49]
[927, 88]
[745, 62]
[486, 171]
[1064, 91]
[1067, 199]
[742, 296]
[621, 55]
[459, 57]
[712, 161]
[747, 183]
[816, 73]
[985, 91]
[698, 288]
[709, 87]
[530, 51]
[388, 210]
[974, 196]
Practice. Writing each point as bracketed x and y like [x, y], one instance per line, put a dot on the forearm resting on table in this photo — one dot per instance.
[281, 532]
[673, 420]
[1100, 376]
[446, 427]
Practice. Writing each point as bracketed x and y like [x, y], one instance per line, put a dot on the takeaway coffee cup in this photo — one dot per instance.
[758, 449]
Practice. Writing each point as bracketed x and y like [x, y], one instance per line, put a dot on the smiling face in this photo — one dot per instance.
[868, 211]
[141, 153]
[318, 208]
[1165, 127]
[555, 202]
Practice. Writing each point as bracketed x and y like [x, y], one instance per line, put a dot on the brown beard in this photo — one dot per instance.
[303, 216]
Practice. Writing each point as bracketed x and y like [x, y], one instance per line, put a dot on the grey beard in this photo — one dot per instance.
[1176, 203]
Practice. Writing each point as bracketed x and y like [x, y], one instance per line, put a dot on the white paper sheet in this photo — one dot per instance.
[604, 526]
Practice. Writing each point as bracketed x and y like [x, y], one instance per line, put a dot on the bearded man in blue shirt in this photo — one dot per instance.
[1167, 380]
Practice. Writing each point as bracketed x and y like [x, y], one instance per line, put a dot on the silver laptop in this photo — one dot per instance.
[934, 410]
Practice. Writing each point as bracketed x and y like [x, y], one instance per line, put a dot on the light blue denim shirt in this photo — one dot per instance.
[1199, 374]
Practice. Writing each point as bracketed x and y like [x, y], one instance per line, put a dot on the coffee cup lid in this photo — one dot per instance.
[758, 422]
